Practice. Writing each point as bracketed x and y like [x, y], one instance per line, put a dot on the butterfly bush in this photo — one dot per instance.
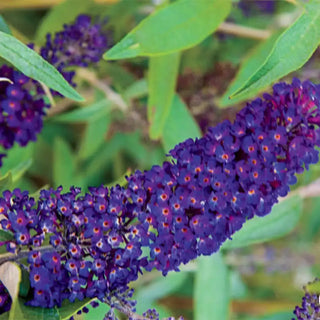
[22, 100]
[101, 240]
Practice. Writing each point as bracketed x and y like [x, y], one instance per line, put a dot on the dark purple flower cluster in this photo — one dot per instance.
[5, 299]
[248, 7]
[79, 44]
[310, 306]
[22, 102]
[100, 241]
[151, 314]
[21, 109]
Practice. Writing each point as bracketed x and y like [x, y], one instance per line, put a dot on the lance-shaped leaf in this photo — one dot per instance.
[89, 113]
[162, 86]
[148, 295]
[64, 163]
[5, 236]
[17, 161]
[34, 66]
[212, 292]
[179, 26]
[179, 126]
[6, 181]
[290, 52]
[3, 26]
[251, 63]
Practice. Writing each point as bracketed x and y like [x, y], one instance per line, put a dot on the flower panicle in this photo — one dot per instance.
[100, 241]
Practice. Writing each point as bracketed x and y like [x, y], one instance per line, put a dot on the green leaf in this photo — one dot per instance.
[17, 161]
[3, 26]
[6, 235]
[238, 288]
[161, 90]
[282, 220]
[97, 312]
[121, 181]
[68, 309]
[86, 114]
[313, 222]
[179, 126]
[63, 164]
[94, 136]
[126, 144]
[121, 78]
[23, 312]
[20, 169]
[34, 66]
[276, 316]
[137, 90]
[179, 26]
[6, 181]
[211, 292]
[251, 63]
[122, 15]
[163, 286]
[63, 13]
[201, 58]
[290, 52]
[24, 283]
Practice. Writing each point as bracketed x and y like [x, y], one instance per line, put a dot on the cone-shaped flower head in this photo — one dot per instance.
[173, 213]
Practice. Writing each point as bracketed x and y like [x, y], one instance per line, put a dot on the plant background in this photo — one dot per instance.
[108, 136]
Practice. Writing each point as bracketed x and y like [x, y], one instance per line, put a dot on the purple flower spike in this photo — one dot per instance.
[172, 213]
